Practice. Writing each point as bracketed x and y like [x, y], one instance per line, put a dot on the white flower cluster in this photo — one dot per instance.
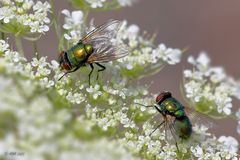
[206, 84]
[36, 69]
[73, 25]
[40, 118]
[35, 126]
[24, 15]
[143, 52]
[109, 117]
[157, 146]
[104, 3]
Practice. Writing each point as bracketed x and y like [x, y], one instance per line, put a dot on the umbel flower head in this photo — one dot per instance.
[101, 4]
[24, 17]
[209, 86]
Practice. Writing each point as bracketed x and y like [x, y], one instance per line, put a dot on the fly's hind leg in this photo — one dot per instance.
[157, 127]
[89, 75]
[102, 68]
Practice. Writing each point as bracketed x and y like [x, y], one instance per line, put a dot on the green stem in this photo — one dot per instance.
[19, 45]
[35, 49]
[2, 35]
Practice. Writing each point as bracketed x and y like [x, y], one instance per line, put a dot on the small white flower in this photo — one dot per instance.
[124, 3]
[72, 20]
[39, 62]
[197, 151]
[42, 7]
[169, 55]
[3, 46]
[6, 14]
[230, 144]
[73, 24]
[96, 3]
[209, 84]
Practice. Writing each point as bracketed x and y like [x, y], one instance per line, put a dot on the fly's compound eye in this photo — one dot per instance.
[159, 98]
[163, 95]
[79, 53]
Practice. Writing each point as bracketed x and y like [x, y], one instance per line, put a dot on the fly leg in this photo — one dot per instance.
[157, 127]
[69, 72]
[102, 68]
[89, 75]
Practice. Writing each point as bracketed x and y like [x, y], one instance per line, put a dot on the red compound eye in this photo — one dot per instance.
[159, 97]
[162, 96]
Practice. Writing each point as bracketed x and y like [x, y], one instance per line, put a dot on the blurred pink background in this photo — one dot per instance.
[212, 26]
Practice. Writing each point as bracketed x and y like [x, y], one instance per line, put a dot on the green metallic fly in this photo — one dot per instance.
[94, 48]
[174, 115]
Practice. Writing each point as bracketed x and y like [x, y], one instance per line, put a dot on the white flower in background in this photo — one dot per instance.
[202, 62]
[168, 55]
[75, 97]
[238, 118]
[3, 46]
[229, 143]
[73, 24]
[6, 14]
[124, 3]
[142, 51]
[40, 7]
[94, 91]
[72, 20]
[32, 16]
[96, 3]
[212, 84]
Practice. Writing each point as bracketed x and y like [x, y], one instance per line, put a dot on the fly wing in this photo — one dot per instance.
[109, 53]
[104, 48]
[170, 132]
[199, 118]
[106, 31]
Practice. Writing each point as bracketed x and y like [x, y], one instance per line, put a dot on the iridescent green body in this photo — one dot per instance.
[183, 127]
[94, 48]
[169, 106]
[79, 53]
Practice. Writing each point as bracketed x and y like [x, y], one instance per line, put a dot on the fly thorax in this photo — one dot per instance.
[170, 106]
[88, 48]
[179, 113]
[160, 108]
[80, 53]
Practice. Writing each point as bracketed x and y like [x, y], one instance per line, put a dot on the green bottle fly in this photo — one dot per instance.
[94, 48]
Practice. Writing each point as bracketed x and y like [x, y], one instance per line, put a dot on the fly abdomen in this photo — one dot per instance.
[183, 127]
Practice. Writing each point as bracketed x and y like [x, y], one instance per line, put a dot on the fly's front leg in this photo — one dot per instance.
[89, 75]
[69, 72]
[102, 68]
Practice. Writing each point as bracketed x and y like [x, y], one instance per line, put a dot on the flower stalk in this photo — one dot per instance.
[18, 42]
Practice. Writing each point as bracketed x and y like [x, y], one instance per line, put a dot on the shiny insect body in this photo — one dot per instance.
[175, 120]
[94, 48]
[174, 115]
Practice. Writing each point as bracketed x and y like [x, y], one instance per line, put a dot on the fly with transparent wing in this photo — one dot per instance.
[94, 48]
[176, 119]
